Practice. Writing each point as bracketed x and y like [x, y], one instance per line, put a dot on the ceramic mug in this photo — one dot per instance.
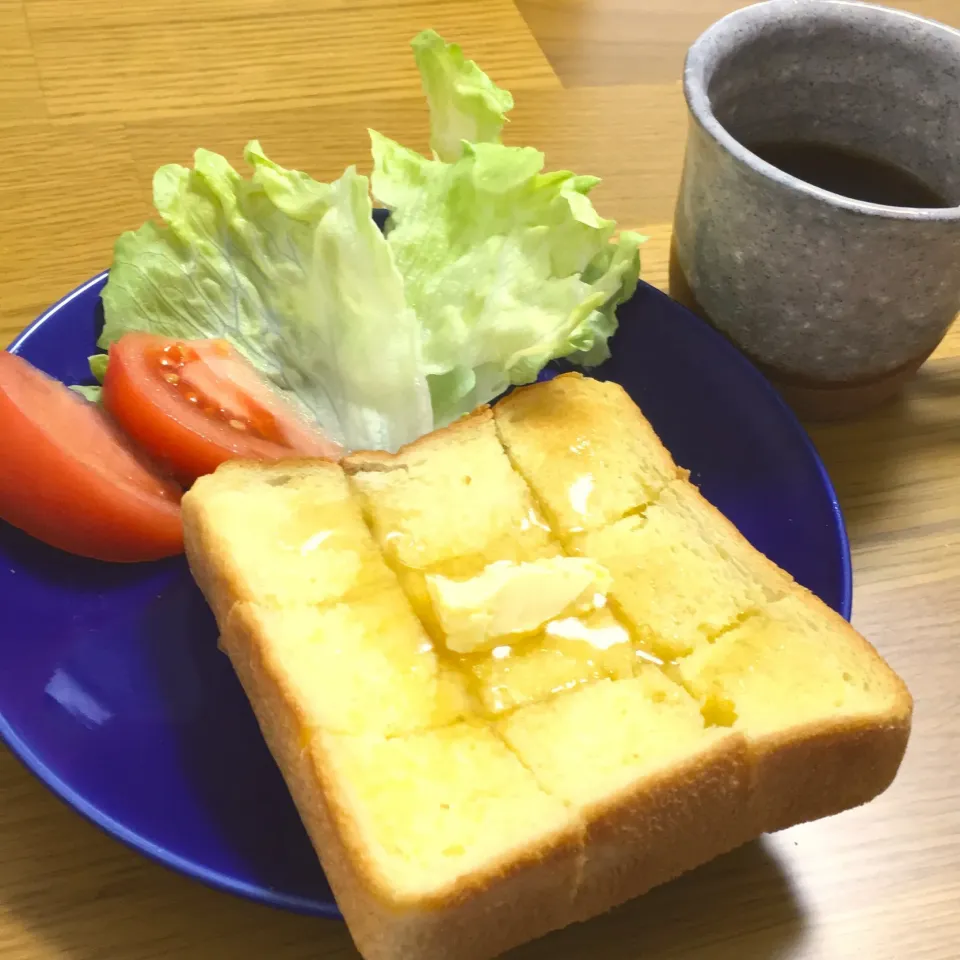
[838, 299]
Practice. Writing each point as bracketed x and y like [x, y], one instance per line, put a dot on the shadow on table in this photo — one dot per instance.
[739, 906]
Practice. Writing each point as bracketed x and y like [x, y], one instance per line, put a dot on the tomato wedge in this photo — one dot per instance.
[70, 478]
[192, 404]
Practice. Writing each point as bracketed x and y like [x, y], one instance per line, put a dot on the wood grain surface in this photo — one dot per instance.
[94, 96]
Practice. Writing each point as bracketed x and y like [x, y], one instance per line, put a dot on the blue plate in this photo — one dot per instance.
[112, 689]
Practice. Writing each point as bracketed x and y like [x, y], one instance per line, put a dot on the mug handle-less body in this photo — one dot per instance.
[837, 300]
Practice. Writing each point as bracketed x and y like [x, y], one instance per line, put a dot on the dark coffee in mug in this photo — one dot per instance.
[849, 173]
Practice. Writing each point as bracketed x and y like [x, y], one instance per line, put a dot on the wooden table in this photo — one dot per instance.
[94, 96]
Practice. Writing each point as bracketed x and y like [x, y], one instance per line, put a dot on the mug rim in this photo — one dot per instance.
[700, 56]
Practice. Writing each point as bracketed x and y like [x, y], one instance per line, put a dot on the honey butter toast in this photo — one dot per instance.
[522, 671]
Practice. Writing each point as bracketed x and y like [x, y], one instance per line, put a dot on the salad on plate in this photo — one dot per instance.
[264, 315]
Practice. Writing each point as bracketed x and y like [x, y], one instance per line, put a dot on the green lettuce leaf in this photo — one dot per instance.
[91, 393]
[489, 269]
[224, 259]
[363, 345]
[507, 268]
[240, 259]
[465, 104]
[98, 366]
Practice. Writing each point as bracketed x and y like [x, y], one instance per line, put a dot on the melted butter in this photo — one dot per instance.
[531, 520]
[566, 653]
[502, 645]
[581, 488]
[600, 638]
[507, 599]
[302, 527]
[648, 657]
[314, 541]
[577, 642]
[579, 493]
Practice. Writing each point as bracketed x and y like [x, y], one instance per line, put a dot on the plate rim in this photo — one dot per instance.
[261, 894]
[165, 857]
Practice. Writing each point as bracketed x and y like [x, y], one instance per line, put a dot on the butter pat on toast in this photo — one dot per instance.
[472, 777]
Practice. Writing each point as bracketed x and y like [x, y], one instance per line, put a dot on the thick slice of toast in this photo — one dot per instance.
[462, 803]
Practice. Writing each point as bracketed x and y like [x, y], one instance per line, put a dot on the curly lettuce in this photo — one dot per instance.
[489, 269]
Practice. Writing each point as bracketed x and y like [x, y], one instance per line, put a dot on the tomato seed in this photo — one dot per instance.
[238, 425]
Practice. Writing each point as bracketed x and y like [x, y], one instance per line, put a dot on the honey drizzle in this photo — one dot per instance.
[519, 647]
[642, 649]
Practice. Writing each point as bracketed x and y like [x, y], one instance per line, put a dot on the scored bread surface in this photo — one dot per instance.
[463, 804]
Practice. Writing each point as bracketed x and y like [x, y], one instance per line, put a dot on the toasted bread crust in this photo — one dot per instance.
[822, 769]
[649, 831]
[373, 460]
[663, 826]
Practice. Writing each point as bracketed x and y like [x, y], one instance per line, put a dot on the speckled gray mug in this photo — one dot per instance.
[839, 301]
